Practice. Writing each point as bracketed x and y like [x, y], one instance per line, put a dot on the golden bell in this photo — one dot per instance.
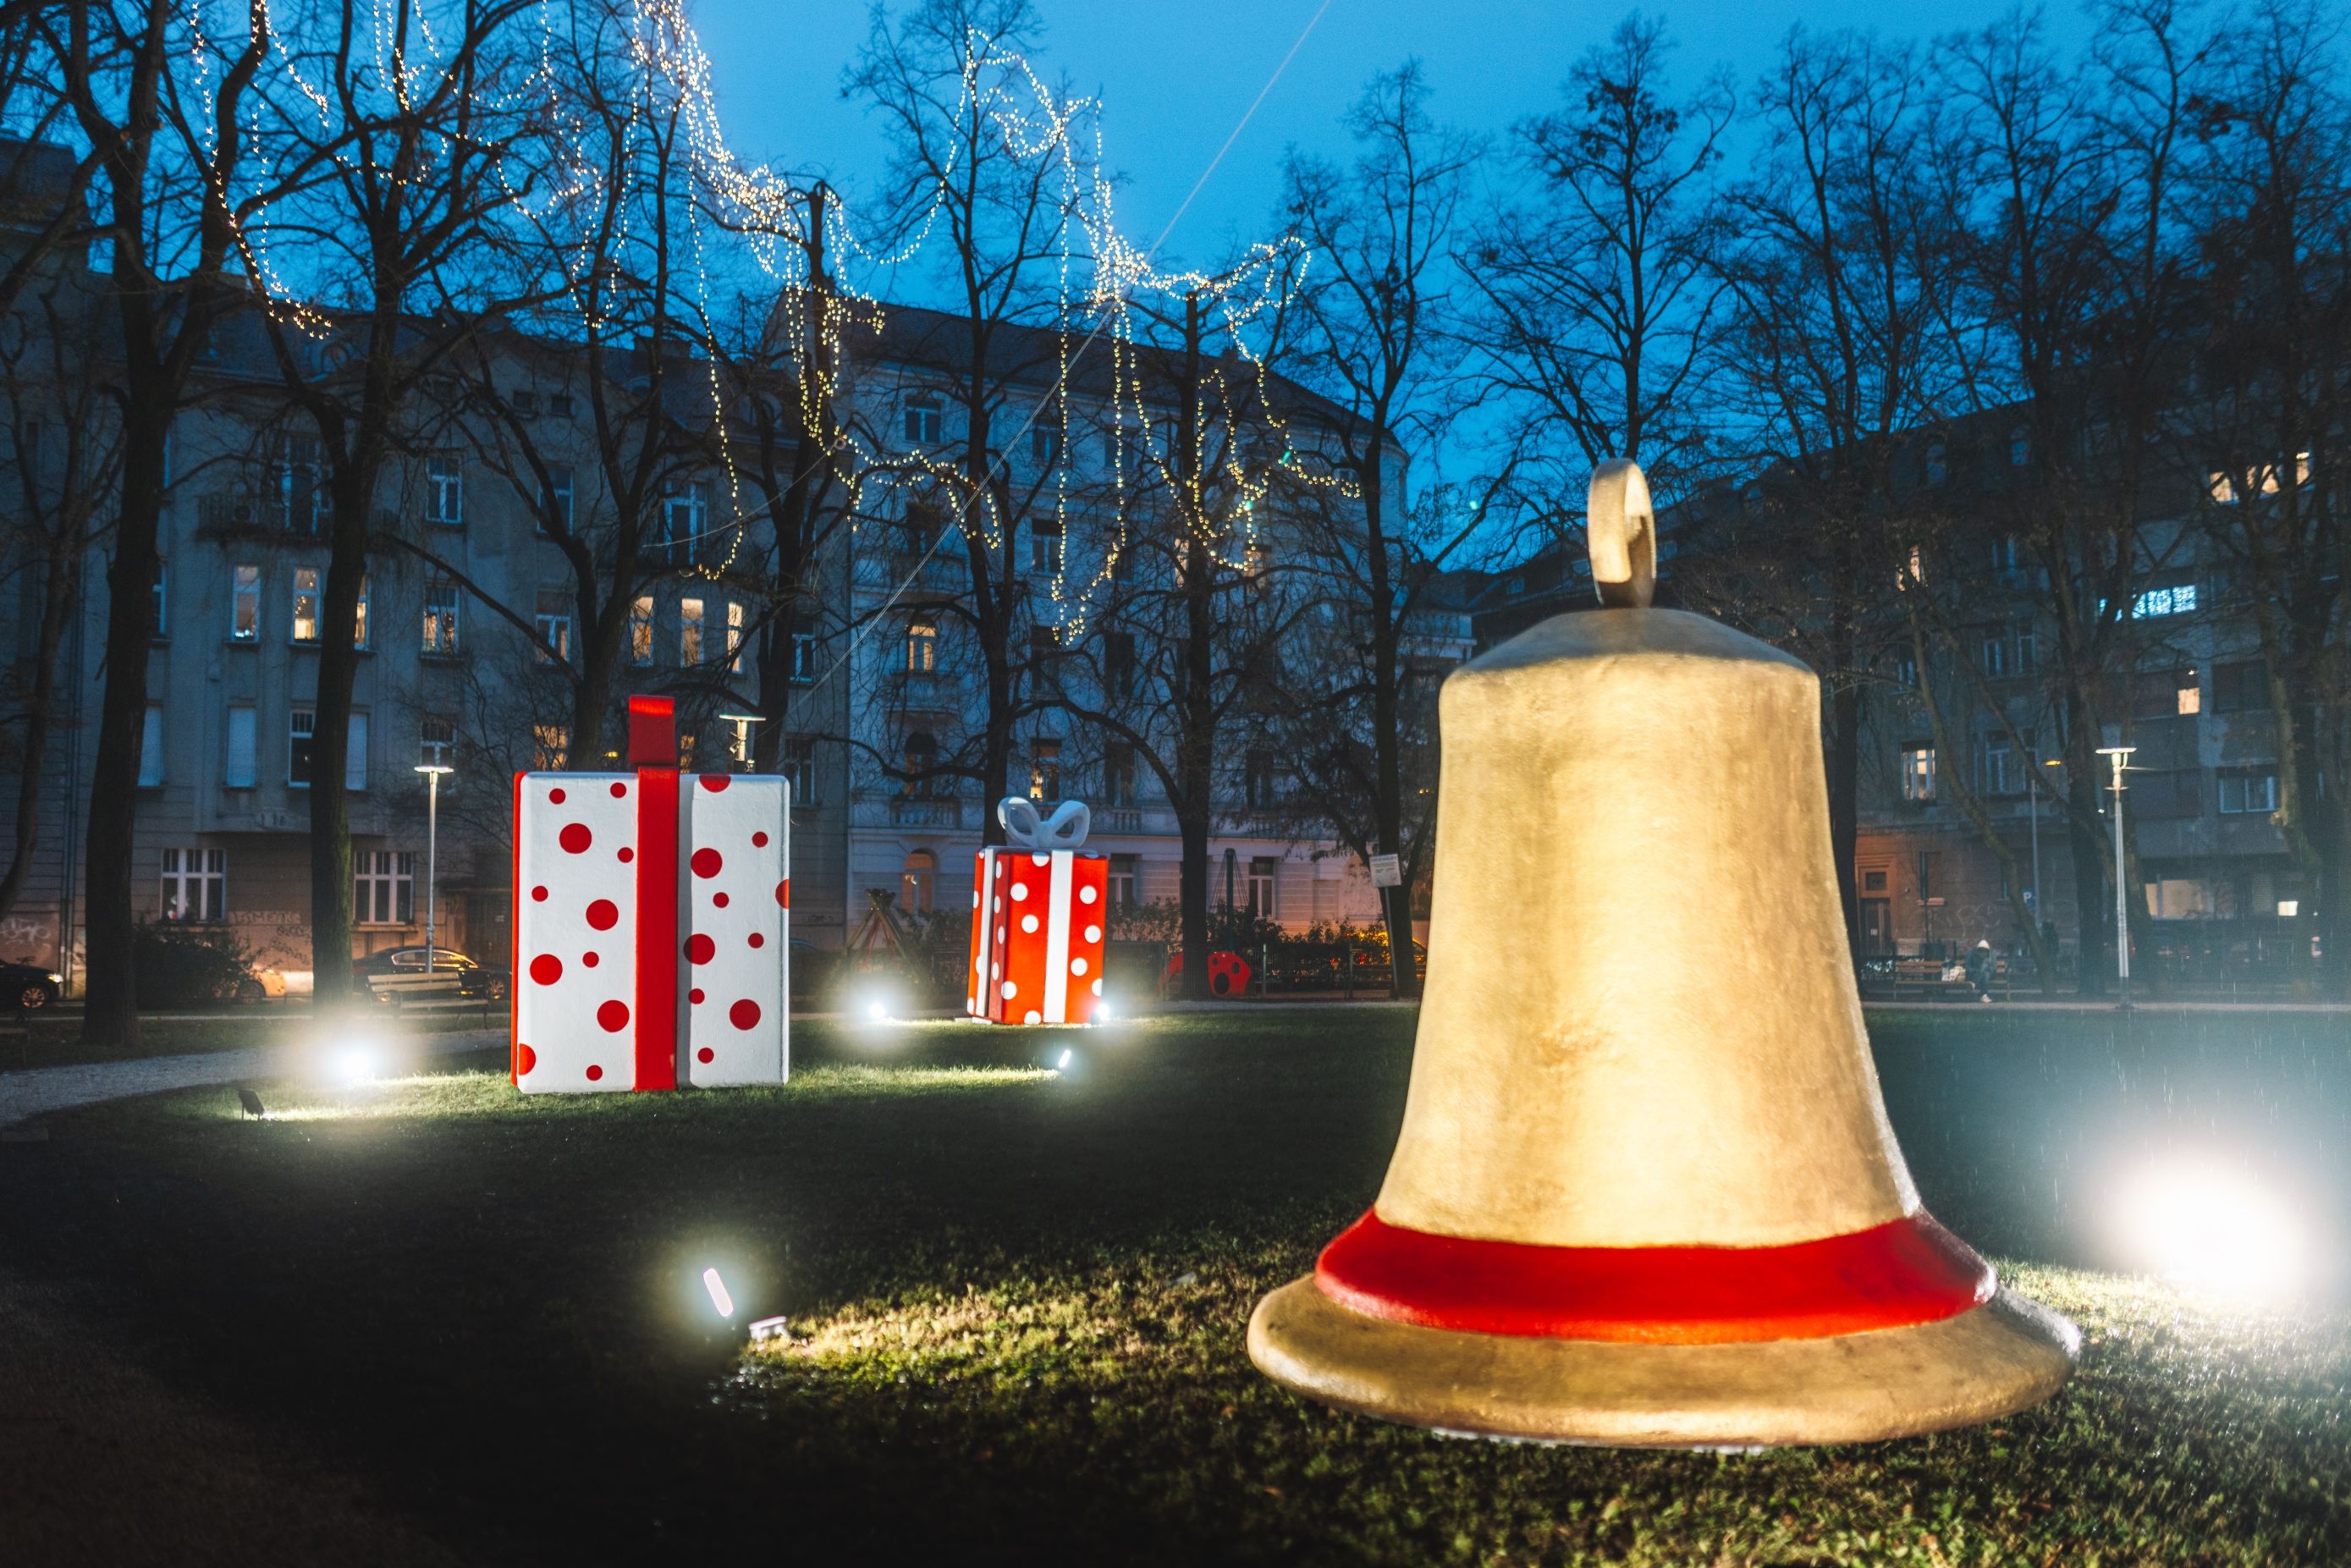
[1646, 1191]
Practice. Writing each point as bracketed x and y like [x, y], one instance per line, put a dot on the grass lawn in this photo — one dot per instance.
[54, 1039]
[1018, 1299]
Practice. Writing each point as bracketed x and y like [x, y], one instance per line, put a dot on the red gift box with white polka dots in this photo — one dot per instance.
[1036, 936]
[651, 913]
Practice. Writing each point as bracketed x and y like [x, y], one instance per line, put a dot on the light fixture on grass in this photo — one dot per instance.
[719, 1296]
[766, 1329]
[2215, 1226]
[252, 1103]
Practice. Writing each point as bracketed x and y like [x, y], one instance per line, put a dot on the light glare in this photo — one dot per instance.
[719, 1296]
[2215, 1226]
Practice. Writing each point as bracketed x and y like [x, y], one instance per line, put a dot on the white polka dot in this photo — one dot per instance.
[1085, 895]
[975, 898]
[1042, 860]
[1032, 1016]
[1008, 990]
[975, 964]
[1077, 965]
[999, 901]
[1028, 923]
[1093, 933]
[1019, 891]
[999, 934]
[995, 970]
[1098, 988]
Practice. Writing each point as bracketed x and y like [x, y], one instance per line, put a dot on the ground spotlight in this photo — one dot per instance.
[355, 1062]
[876, 1010]
[2215, 1226]
[766, 1329]
[252, 1105]
[719, 1296]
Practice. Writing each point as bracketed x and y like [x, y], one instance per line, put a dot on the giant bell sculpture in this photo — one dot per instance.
[1646, 1191]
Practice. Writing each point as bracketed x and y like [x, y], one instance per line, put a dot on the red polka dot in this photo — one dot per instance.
[700, 949]
[627, 854]
[744, 1014]
[546, 968]
[555, 796]
[784, 893]
[620, 791]
[575, 838]
[719, 899]
[540, 893]
[524, 1060]
[590, 959]
[613, 1016]
[759, 841]
[706, 862]
[715, 782]
[594, 1073]
[695, 995]
[603, 915]
[704, 1054]
[759, 940]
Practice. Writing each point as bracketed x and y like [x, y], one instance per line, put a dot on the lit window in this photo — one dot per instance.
[553, 623]
[689, 632]
[641, 629]
[301, 728]
[242, 764]
[1918, 773]
[550, 744]
[2192, 696]
[444, 491]
[923, 422]
[922, 646]
[916, 879]
[306, 604]
[359, 617]
[244, 604]
[383, 887]
[1263, 878]
[195, 884]
[2157, 601]
[441, 612]
[1044, 769]
[735, 635]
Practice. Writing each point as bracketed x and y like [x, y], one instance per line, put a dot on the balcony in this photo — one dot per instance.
[1119, 820]
[926, 811]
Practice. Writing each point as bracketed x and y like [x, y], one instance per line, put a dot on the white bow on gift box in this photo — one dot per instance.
[1037, 914]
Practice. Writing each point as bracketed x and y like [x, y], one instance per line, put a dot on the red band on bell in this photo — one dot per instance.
[1909, 1270]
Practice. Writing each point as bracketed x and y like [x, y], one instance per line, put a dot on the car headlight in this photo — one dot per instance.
[56, 980]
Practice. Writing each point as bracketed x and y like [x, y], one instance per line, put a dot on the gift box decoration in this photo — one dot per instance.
[651, 916]
[1036, 913]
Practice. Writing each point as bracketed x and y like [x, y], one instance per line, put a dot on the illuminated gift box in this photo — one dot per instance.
[651, 910]
[1037, 911]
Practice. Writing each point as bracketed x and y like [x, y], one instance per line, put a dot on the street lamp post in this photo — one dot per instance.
[2122, 904]
[433, 772]
[744, 724]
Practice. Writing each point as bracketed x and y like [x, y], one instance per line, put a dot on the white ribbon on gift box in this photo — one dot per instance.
[1058, 836]
[1064, 830]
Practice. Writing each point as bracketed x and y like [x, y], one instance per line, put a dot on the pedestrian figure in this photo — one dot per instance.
[1980, 969]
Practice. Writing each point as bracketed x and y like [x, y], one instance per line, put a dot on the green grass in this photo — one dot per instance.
[54, 1039]
[1018, 1299]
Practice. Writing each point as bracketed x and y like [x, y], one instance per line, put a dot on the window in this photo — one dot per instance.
[1939, 466]
[383, 887]
[1045, 656]
[355, 759]
[553, 623]
[1260, 783]
[923, 422]
[242, 765]
[1045, 547]
[560, 404]
[734, 637]
[1906, 671]
[550, 746]
[301, 728]
[1928, 864]
[359, 617]
[1118, 663]
[689, 632]
[2020, 446]
[306, 604]
[444, 491]
[151, 748]
[299, 502]
[525, 401]
[2028, 648]
[195, 884]
[1044, 768]
[685, 517]
[916, 881]
[2221, 486]
[558, 498]
[436, 739]
[920, 760]
[244, 604]
[441, 611]
[1996, 769]
[641, 629]
[1991, 654]
[2189, 694]
[2175, 600]
[1918, 773]
[803, 656]
[1263, 878]
[2003, 555]
[1118, 774]
[1873, 881]
[2248, 790]
[921, 525]
[922, 646]
[1124, 879]
[2166, 795]
[162, 602]
[2240, 687]
[798, 764]
[1044, 446]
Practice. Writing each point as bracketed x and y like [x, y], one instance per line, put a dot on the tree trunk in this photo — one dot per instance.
[2093, 903]
[330, 817]
[110, 1013]
[1387, 743]
[1844, 761]
[40, 705]
[1196, 759]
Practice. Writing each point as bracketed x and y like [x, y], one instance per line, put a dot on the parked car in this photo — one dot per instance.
[398, 974]
[28, 987]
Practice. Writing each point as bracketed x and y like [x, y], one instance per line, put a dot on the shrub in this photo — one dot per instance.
[186, 966]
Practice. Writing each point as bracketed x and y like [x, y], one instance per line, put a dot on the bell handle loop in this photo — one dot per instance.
[1066, 829]
[1620, 530]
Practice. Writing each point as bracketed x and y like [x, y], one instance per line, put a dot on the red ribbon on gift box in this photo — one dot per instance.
[652, 752]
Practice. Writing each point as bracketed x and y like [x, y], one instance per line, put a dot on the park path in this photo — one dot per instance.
[41, 1089]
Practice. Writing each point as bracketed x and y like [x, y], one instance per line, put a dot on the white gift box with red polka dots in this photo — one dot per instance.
[1036, 936]
[650, 914]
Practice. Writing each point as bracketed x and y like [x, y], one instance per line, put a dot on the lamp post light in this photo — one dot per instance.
[2122, 904]
[433, 772]
[741, 751]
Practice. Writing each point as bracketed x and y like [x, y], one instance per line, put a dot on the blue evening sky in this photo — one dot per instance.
[1176, 78]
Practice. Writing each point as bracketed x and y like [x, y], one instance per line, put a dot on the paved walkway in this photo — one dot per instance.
[37, 1093]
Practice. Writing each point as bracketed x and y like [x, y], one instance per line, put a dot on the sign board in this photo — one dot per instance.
[1386, 872]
